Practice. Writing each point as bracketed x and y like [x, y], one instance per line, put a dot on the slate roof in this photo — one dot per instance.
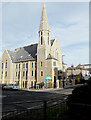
[24, 53]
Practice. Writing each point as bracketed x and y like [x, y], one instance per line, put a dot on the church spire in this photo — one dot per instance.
[44, 26]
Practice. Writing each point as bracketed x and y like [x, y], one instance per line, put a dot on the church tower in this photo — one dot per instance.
[43, 49]
[44, 34]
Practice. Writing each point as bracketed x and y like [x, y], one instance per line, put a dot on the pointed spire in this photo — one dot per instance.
[44, 21]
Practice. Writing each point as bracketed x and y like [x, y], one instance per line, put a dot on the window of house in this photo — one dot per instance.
[6, 64]
[23, 84]
[32, 64]
[41, 40]
[2, 65]
[32, 72]
[23, 65]
[26, 74]
[16, 74]
[19, 66]
[41, 73]
[41, 64]
[16, 66]
[23, 73]
[19, 75]
[32, 84]
[6, 74]
[26, 65]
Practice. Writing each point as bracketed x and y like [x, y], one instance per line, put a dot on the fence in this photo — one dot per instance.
[35, 110]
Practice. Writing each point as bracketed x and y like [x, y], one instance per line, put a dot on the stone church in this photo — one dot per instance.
[36, 65]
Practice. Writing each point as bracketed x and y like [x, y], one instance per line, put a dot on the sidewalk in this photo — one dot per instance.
[50, 89]
[43, 90]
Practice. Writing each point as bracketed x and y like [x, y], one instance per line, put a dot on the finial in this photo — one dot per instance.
[43, 4]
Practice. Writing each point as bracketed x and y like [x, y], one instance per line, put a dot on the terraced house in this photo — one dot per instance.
[36, 64]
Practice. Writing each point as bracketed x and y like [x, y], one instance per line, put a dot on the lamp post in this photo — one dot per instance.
[63, 72]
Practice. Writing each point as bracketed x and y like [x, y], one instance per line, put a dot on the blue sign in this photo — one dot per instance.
[48, 78]
[48, 81]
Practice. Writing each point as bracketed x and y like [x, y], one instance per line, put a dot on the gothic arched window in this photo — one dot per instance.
[2, 65]
[41, 41]
[41, 73]
[32, 64]
[6, 64]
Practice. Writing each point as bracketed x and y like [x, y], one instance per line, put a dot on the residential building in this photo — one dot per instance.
[79, 72]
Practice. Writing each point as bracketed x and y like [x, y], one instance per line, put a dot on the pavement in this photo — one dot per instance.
[53, 89]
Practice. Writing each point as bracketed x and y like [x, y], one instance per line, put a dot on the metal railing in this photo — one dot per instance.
[34, 110]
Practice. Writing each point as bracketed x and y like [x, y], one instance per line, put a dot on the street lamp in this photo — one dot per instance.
[63, 72]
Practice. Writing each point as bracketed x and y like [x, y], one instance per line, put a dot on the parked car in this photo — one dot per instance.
[12, 86]
[2, 86]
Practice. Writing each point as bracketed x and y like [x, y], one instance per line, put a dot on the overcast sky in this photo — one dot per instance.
[68, 21]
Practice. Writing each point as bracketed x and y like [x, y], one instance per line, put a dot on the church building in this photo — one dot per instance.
[36, 65]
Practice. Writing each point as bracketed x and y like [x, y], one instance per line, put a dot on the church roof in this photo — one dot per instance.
[44, 20]
[25, 53]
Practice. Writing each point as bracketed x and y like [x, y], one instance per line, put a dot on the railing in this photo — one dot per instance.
[34, 110]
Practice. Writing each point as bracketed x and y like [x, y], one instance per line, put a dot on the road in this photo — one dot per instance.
[22, 99]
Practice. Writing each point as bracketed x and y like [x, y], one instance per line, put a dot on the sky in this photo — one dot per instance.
[68, 21]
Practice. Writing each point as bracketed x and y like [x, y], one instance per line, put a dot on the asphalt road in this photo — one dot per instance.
[22, 99]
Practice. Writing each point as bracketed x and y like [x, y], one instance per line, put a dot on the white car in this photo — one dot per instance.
[12, 86]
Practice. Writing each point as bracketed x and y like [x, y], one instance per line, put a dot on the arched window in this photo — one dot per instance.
[6, 74]
[32, 64]
[41, 33]
[32, 72]
[16, 66]
[2, 65]
[41, 40]
[23, 73]
[16, 74]
[6, 64]
[23, 84]
[26, 75]
[41, 64]
[35, 64]
[26, 65]
[41, 73]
